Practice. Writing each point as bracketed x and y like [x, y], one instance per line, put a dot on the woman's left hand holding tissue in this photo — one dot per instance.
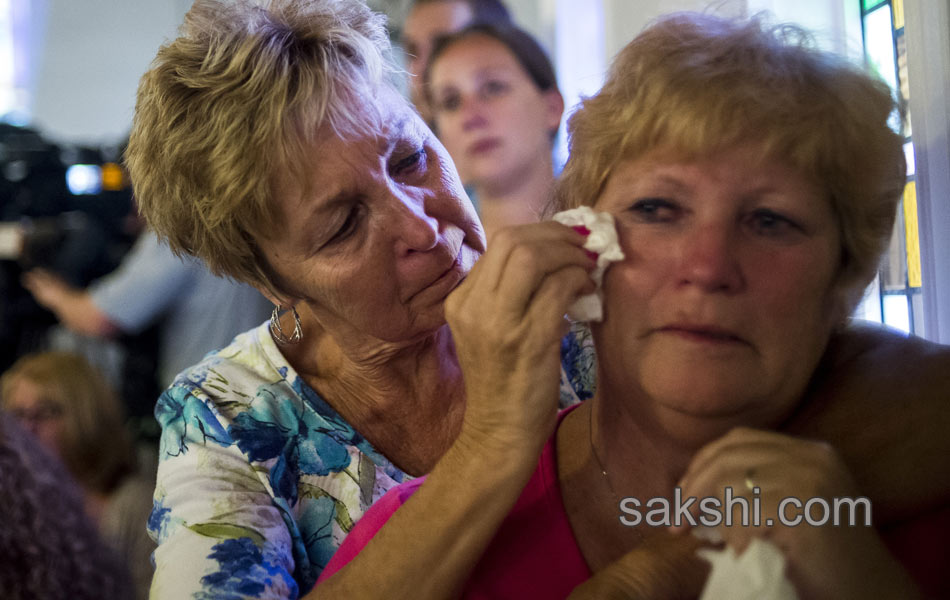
[781, 475]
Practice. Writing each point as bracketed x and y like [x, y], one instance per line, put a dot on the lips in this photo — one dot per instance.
[701, 333]
[484, 146]
[439, 287]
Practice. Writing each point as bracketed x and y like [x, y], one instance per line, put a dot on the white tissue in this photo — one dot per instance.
[602, 240]
[756, 574]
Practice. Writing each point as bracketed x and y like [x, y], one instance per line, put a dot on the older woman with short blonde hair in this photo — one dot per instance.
[229, 143]
[268, 142]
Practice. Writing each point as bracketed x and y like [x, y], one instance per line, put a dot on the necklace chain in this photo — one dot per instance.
[593, 450]
[600, 465]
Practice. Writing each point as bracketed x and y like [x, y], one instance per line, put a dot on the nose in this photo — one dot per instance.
[472, 113]
[415, 228]
[709, 260]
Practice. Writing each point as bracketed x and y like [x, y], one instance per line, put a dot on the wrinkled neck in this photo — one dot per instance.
[391, 393]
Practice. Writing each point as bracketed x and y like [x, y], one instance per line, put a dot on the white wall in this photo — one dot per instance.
[88, 62]
[89, 54]
[626, 18]
[928, 49]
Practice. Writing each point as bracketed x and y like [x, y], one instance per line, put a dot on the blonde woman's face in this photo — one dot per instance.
[384, 235]
[727, 296]
[29, 404]
[490, 115]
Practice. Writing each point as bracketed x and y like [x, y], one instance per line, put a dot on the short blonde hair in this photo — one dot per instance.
[234, 103]
[694, 83]
[96, 447]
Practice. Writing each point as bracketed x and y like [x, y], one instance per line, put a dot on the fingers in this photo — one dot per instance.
[524, 284]
[747, 456]
[733, 443]
[520, 258]
[764, 480]
[507, 321]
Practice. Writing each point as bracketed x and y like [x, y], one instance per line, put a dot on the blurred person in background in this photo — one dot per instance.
[497, 108]
[430, 19]
[71, 409]
[49, 548]
[198, 311]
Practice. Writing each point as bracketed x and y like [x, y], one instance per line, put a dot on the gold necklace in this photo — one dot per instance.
[593, 450]
[603, 471]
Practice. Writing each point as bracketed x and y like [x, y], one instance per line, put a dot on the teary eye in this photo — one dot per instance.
[655, 210]
[769, 223]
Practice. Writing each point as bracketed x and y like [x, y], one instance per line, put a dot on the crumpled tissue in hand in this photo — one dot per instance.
[756, 574]
[602, 240]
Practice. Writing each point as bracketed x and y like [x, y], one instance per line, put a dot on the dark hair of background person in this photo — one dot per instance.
[95, 445]
[483, 11]
[48, 547]
[526, 50]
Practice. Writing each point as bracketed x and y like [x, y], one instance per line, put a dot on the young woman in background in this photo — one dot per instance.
[497, 108]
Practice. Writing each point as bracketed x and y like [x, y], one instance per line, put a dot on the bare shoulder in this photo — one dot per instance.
[874, 345]
[883, 400]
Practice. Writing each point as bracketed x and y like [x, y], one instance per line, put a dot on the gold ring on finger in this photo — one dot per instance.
[750, 479]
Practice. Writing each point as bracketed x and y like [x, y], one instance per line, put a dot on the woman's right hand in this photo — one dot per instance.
[507, 320]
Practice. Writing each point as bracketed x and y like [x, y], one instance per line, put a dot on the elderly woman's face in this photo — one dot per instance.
[726, 298]
[385, 233]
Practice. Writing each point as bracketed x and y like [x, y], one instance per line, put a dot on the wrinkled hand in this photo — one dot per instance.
[507, 320]
[663, 567]
[822, 561]
[48, 289]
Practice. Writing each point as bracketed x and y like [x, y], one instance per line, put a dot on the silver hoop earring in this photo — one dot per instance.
[278, 333]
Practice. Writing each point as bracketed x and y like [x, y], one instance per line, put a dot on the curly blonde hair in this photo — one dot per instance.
[694, 83]
[236, 102]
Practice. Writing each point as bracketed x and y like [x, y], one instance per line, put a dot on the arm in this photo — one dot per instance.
[73, 307]
[440, 532]
[507, 324]
[148, 283]
[125, 301]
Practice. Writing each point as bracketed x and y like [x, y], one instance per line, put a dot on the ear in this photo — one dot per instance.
[274, 297]
[553, 108]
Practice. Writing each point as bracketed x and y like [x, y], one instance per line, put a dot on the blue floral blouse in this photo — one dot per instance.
[259, 479]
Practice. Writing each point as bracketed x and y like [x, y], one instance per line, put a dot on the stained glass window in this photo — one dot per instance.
[871, 4]
[894, 298]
